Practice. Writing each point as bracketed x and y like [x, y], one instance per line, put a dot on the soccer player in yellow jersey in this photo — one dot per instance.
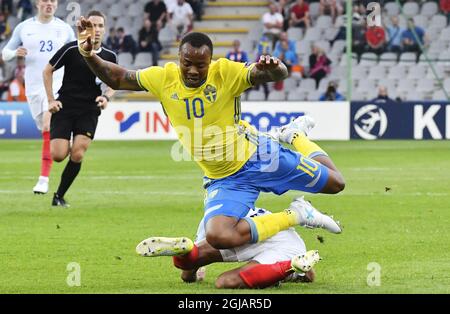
[201, 99]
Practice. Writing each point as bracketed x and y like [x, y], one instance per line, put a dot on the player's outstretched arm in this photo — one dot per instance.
[268, 69]
[113, 75]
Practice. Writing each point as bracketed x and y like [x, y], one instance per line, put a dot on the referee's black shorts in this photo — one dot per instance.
[66, 122]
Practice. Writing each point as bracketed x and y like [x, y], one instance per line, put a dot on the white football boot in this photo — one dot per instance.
[309, 217]
[160, 246]
[305, 262]
[286, 133]
[41, 186]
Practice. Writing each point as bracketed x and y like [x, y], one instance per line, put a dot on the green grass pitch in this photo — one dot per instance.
[395, 212]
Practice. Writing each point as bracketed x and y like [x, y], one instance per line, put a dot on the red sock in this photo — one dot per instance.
[263, 275]
[187, 261]
[46, 163]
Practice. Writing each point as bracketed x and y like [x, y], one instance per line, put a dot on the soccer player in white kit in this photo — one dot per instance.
[38, 39]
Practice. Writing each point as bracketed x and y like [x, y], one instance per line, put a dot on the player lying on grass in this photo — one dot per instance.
[282, 257]
[201, 97]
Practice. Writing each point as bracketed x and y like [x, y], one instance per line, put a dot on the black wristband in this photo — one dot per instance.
[107, 98]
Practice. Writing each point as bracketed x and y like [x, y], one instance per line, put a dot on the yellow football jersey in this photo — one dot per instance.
[207, 118]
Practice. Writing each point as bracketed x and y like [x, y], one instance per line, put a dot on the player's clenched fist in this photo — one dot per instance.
[85, 35]
[54, 106]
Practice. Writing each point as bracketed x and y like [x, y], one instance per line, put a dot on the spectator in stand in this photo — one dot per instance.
[319, 65]
[395, 36]
[445, 8]
[285, 51]
[181, 17]
[382, 95]
[5, 29]
[112, 42]
[359, 38]
[331, 94]
[156, 12]
[273, 23]
[376, 39]
[331, 7]
[300, 15]
[237, 54]
[7, 7]
[411, 43]
[24, 9]
[16, 91]
[197, 7]
[126, 42]
[148, 40]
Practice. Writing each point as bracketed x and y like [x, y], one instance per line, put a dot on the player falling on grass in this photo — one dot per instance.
[75, 112]
[37, 39]
[201, 99]
[282, 257]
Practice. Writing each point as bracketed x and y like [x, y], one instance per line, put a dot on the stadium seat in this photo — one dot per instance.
[366, 85]
[439, 95]
[414, 95]
[421, 20]
[377, 72]
[330, 33]
[343, 61]
[166, 36]
[125, 59]
[432, 56]
[116, 10]
[135, 10]
[446, 84]
[297, 95]
[142, 60]
[290, 84]
[323, 85]
[397, 72]
[417, 72]
[324, 44]
[388, 59]
[358, 96]
[438, 46]
[387, 82]
[440, 71]
[314, 9]
[256, 95]
[324, 22]
[405, 85]
[359, 72]
[410, 9]
[425, 85]
[338, 46]
[408, 58]
[277, 96]
[369, 58]
[438, 21]
[445, 35]
[429, 9]
[313, 34]
[295, 33]
[314, 95]
[392, 9]
[308, 84]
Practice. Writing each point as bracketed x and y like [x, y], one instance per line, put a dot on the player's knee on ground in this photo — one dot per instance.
[230, 281]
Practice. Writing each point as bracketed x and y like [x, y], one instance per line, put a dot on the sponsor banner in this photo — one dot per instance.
[16, 122]
[407, 120]
[146, 120]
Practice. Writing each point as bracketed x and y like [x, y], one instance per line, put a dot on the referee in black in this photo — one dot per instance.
[76, 110]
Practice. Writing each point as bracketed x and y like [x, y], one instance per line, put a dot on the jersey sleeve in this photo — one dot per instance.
[151, 79]
[60, 57]
[237, 76]
[14, 42]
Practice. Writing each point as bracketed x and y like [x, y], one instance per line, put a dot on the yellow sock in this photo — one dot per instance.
[307, 148]
[264, 227]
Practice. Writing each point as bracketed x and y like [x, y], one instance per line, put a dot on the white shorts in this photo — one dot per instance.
[38, 104]
[281, 247]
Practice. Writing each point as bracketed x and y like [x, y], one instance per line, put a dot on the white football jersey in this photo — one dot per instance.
[42, 41]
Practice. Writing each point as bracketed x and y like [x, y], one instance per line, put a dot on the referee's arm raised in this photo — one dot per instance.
[113, 75]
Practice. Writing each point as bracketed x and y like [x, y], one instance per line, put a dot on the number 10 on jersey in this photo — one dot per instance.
[195, 108]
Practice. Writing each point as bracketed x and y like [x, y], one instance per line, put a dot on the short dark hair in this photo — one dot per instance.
[97, 13]
[120, 30]
[197, 40]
